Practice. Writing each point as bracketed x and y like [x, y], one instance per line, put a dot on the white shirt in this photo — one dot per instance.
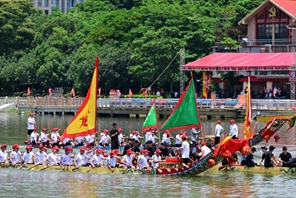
[53, 159]
[233, 130]
[90, 138]
[142, 161]
[55, 137]
[136, 137]
[15, 157]
[204, 151]
[97, 159]
[194, 134]
[178, 139]
[128, 160]
[164, 138]
[79, 139]
[185, 149]
[120, 136]
[218, 130]
[105, 139]
[31, 120]
[112, 161]
[147, 136]
[3, 156]
[88, 156]
[155, 158]
[80, 159]
[43, 137]
[34, 136]
[67, 159]
[40, 157]
[152, 138]
[28, 158]
[65, 140]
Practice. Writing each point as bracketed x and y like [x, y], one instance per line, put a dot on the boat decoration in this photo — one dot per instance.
[151, 121]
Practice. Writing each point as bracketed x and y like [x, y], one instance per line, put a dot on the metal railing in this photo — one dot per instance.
[262, 42]
[264, 104]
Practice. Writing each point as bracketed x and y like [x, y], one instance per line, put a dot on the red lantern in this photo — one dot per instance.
[211, 162]
[246, 149]
[225, 154]
[267, 138]
[276, 138]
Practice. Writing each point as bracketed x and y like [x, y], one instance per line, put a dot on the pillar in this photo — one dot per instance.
[269, 85]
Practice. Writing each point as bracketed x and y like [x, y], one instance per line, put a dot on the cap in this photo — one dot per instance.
[98, 150]
[203, 143]
[119, 130]
[105, 131]
[129, 151]
[114, 124]
[232, 121]
[31, 114]
[158, 151]
[219, 121]
[167, 131]
[45, 148]
[184, 137]
[253, 149]
[116, 151]
[144, 151]
[54, 129]
[181, 133]
[285, 148]
[137, 133]
[83, 149]
[55, 148]
[264, 147]
[44, 129]
[68, 149]
[35, 129]
[41, 146]
[88, 146]
[112, 154]
[271, 147]
[16, 146]
[28, 147]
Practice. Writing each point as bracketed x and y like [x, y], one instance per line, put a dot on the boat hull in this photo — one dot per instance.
[254, 170]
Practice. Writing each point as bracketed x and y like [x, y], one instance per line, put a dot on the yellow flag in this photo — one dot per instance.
[85, 120]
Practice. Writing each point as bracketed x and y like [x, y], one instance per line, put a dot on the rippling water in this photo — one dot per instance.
[22, 183]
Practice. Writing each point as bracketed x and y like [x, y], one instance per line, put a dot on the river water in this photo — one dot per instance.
[21, 183]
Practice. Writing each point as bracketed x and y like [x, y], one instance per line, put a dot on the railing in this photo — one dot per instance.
[264, 104]
[253, 42]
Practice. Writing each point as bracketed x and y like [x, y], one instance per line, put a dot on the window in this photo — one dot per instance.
[264, 31]
[46, 4]
[46, 12]
[39, 3]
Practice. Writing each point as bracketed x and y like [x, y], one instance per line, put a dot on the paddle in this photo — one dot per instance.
[90, 169]
[33, 166]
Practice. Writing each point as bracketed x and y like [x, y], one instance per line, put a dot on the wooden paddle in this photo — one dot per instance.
[33, 166]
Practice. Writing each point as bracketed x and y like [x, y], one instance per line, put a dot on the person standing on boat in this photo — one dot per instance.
[284, 157]
[31, 125]
[269, 158]
[194, 135]
[185, 151]
[250, 158]
[218, 130]
[114, 137]
[264, 151]
[233, 129]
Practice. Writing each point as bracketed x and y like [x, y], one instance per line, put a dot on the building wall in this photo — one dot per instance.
[48, 5]
[252, 30]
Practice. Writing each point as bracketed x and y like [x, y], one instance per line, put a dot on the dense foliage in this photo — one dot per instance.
[135, 40]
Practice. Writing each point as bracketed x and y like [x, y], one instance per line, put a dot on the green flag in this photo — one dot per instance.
[185, 114]
[291, 122]
[151, 119]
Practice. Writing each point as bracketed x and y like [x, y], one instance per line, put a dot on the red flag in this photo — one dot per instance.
[28, 91]
[73, 92]
[130, 93]
[99, 91]
[146, 93]
[49, 91]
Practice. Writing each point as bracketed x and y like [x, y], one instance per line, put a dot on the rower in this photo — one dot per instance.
[150, 147]
[250, 158]
[105, 138]
[67, 158]
[40, 156]
[284, 157]
[156, 159]
[121, 137]
[111, 161]
[142, 159]
[269, 158]
[53, 158]
[43, 137]
[15, 155]
[90, 139]
[80, 158]
[204, 149]
[264, 151]
[89, 154]
[129, 145]
[79, 141]
[167, 151]
[97, 159]
[178, 142]
[28, 156]
[34, 137]
[136, 147]
[55, 137]
[127, 159]
[136, 135]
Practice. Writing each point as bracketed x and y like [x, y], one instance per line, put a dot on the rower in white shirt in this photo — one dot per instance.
[90, 139]
[53, 158]
[97, 159]
[67, 158]
[28, 156]
[79, 140]
[80, 158]
[111, 161]
[156, 158]
[40, 156]
[15, 155]
[43, 137]
[34, 137]
[142, 159]
[55, 137]
[105, 139]
[127, 159]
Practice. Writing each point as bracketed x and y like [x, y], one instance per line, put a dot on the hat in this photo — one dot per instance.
[181, 133]
[16, 146]
[144, 151]
[285, 148]
[184, 137]
[41, 146]
[31, 114]
[112, 154]
[54, 129]
[69, 149]
[45, 148]
[271, 148]
[264, 147]
[232, 121]
[203, 143]
[219, 121]
[119, 130]
[98, 150]
[55, 148]
[29, 147]
[129, 151]
[169, 134]
[116, 151]
[83, 149]
[253, 149]
[88, 146]
[158, 151]
[105, 131]
[114, 124]
[35, 129]
[167, 131]
[44, 129]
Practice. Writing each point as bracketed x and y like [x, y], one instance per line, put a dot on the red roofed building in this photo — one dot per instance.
[267, 52]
